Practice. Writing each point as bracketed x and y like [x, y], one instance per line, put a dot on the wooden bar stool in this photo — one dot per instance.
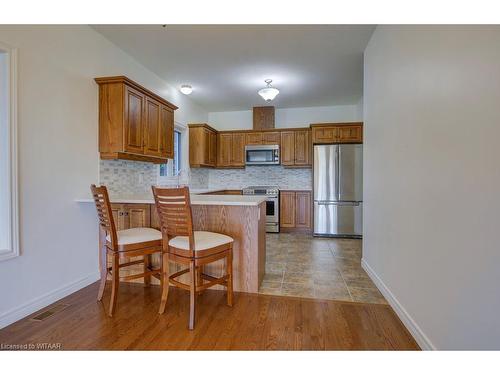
[124, 244]
[191, 248]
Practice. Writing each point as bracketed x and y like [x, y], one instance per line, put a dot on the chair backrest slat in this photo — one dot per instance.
[174, 212]
[104, 212]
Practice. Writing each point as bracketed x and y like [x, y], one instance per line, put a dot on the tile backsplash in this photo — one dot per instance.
[284, 178]
[126, 178]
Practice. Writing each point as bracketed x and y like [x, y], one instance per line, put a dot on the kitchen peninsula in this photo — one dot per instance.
[241, 217]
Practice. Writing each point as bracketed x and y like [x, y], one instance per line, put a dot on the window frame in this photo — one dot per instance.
[12, 250]
[183, 147]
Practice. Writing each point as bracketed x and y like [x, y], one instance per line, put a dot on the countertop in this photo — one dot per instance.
[196, 199]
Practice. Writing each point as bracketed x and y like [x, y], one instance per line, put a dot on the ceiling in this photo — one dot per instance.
[311, 65]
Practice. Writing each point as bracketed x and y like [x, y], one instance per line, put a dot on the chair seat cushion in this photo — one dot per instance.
[202, 240]
[136, 235]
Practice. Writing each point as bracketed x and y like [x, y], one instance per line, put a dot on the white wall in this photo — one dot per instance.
[58, 123]
[288, 117]
[432, 179]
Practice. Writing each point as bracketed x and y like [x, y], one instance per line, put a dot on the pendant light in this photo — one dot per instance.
[268, 93]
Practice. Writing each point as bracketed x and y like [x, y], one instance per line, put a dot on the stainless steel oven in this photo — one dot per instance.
[272, 194]
[262, 155]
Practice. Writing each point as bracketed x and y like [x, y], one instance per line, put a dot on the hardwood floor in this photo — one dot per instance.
[255, 322]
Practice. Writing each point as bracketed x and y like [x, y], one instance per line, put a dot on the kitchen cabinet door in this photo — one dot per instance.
[136, 215]
[134, 121]
[238, 150]
[152, 128]
[116, 210]
[288, 148]
[271, 138]
[287, 209]
[212, 158]
[351, 134]
[166, 132]
[302, 148]
[224, 150]
[327, 134]
[206, 146]
[202, 146]
[254, 138]
[303, 209]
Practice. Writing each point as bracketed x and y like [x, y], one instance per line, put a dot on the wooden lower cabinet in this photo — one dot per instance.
[128, 216]
[295, 210]
[287, 209]
[303, 209]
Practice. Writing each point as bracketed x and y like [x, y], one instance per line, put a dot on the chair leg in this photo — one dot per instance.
[146, 268]
[199, 280]
[115, 270]
[229, 272]
[164, 282]
[104, 271]
[192, 294]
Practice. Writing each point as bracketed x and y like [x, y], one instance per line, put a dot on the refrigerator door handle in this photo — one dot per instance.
[339, 185]
[337, 171]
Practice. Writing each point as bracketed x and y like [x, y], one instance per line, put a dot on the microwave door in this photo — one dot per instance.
[259, 156]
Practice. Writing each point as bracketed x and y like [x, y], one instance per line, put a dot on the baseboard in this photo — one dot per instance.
[38, 303]
[419, 336]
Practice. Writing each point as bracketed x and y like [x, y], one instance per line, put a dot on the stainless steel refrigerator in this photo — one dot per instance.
[338, 190]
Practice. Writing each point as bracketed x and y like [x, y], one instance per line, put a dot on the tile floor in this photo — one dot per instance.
[301, 265]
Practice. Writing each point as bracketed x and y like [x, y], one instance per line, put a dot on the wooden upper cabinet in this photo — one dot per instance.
[238, 150]
[134, 123]
[153, 127]
[303, 148]
[253, 138]
[166, 132]
[350, 132]
[263, 138]
[212, 148]
[325, 134]
[296, 148]
[263, 117]
[202, 146]
[271, 138]
[224, 150]
[288, 148]
[231, 150]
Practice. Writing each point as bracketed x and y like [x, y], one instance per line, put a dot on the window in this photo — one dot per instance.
[8, 154]
[173, 168]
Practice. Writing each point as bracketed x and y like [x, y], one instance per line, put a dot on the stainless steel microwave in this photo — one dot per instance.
[262, 155]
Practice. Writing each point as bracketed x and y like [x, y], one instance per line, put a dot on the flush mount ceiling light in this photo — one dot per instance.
[186, 89]
[268, 93]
